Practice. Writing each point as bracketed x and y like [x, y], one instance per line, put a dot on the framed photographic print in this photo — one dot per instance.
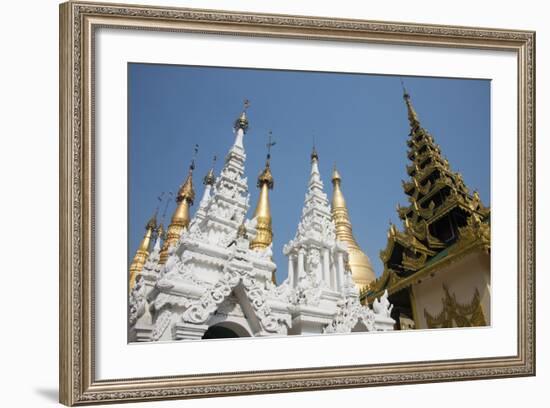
[258, 203]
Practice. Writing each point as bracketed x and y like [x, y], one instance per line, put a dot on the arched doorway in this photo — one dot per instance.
[219, 332]
[225, 330]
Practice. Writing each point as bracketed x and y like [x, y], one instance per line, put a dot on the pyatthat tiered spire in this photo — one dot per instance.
[208, 182]
[180, 218]
[225, 201]
[264, 237]
[316, 257]
[143, 251]
[440, 213]
[361, 268]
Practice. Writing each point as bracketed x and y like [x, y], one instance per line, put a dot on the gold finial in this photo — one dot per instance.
[186, 191]
[264, 235]
[152, 224]
[242, 121]
[338, 200]
[413, 117]
[336, 178]
[362, 272]
[265, 177]
[210, 178]
[142, 252]
[314, 155]
[180, 218]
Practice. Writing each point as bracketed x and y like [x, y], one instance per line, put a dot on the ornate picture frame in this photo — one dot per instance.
[79, 22]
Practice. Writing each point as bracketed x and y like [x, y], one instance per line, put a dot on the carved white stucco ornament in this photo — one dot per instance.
[213, 279]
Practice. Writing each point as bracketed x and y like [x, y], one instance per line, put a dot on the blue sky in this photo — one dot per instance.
[359, 122]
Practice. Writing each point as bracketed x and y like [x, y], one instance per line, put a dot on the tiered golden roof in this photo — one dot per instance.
[181, 217]
[142, 252]
[439, 215]
[359, 263]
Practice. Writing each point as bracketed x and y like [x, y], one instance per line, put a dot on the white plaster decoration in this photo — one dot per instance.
[212, 277]
[350, 313]
[382, 307]
[137, 301]
[187, 331]
[161, 324]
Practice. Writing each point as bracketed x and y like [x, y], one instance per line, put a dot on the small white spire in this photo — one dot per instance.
[241, 126]
[315, 182]
[205, 195]
[157, 246]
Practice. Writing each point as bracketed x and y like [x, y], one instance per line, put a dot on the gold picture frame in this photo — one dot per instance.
[78, 22]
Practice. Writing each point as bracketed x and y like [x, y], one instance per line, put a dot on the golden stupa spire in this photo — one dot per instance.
[181, 217]
[413, 117]
[262, 214]
[143, 251]
[361, 268]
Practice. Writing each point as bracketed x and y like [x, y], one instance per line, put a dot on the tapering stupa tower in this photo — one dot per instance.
[180, 218]
[359, 263]
[142, 252]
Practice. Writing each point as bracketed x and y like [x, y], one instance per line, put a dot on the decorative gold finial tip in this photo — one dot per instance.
[336, 176]
[186, 191]
[266, 177]
[314, 155]
[210, 178]
[242, 121]
[152, 223]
